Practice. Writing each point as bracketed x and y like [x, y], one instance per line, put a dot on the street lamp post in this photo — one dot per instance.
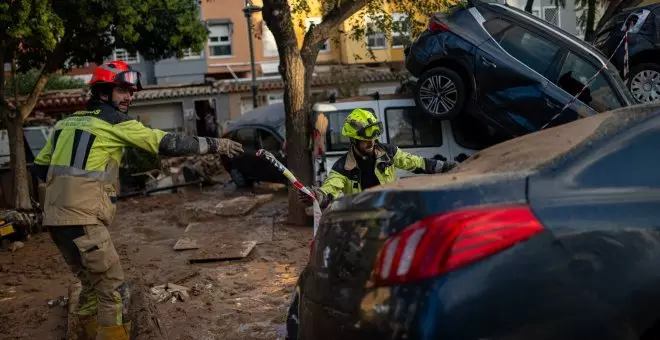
[248, 10]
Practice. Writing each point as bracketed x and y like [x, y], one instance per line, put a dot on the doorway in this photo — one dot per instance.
[207, 120]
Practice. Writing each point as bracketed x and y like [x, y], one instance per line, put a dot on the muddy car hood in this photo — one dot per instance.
[519, 157]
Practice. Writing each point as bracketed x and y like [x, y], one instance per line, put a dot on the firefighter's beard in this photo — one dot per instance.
[364, 149]
[123, 105]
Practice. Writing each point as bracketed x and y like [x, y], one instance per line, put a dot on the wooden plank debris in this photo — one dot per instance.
[223, 251]
[241, 205]
[232, 230]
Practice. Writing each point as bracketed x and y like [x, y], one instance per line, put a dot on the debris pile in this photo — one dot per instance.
[170, 291]
[204, 167]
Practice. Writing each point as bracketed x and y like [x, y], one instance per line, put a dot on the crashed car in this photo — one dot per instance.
[643, 48]
[509, 68]
[553, 235]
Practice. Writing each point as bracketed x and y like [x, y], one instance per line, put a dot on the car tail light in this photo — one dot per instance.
[435, 25]
[445, 242]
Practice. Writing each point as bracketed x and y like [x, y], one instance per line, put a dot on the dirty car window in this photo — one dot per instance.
[531, 50]
[408, 127]
[575, 73]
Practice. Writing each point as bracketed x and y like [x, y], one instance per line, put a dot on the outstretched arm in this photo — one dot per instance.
[160, 142]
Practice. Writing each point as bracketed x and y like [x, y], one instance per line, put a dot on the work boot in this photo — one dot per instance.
[119, 332]
[87, 328]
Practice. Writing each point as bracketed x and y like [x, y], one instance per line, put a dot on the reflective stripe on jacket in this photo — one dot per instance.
[83, 157]
[345, 175]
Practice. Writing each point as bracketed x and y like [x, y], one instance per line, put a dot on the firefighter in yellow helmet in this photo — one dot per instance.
[80, 165]
[368, 163]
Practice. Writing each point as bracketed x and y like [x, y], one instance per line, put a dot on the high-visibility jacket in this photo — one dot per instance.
[345, 174]
[80, 162]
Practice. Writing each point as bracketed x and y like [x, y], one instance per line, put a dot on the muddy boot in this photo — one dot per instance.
[119, 332]
[86, 328]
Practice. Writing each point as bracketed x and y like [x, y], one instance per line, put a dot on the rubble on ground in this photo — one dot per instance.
[204, 166]
[170, 291]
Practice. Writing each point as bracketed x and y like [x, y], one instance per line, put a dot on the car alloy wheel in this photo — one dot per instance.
[645, 86]
[438, 94]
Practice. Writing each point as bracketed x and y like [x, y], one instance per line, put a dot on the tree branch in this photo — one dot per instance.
[332, 19]
[47, 70]
[277, 15]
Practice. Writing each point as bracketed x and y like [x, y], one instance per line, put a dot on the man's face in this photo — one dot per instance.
[122, 98]
[365, 147]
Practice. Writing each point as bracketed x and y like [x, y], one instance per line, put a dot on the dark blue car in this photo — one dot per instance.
[510, 69]
[553, 235]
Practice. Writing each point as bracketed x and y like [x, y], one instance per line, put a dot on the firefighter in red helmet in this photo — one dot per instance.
[80, 165]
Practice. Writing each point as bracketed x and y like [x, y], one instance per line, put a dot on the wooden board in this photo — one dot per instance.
[241, 205]
[232, 230]
[223, 251]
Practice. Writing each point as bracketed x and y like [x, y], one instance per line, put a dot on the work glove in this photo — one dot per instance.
[435, 167]
[304, 199]
[227, 147]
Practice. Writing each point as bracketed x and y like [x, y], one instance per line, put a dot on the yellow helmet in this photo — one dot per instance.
[363, 125]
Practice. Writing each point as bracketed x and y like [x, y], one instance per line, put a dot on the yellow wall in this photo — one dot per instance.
[342, 48]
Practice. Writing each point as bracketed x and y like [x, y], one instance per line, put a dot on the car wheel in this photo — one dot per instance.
[644, 83]
[240, 180]
[440, 93]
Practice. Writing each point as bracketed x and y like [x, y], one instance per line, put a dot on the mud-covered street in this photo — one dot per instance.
[235, 299]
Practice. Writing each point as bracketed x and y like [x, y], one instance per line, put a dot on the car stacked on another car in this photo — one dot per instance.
[512, 70]
[643, 49]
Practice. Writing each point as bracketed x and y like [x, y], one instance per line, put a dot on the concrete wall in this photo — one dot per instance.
[185, 71]
[187, 106]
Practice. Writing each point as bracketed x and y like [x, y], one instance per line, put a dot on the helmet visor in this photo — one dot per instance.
[371, 131]
[130, 79]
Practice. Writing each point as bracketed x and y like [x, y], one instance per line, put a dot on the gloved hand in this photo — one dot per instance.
[434, 166]
[228, 147]
[304, 199]
[441, 166]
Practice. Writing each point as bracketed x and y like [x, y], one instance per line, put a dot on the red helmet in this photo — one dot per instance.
[117, 72]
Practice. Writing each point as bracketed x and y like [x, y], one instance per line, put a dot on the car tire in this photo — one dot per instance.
[239, 179]
[452, 91]
[644, 82]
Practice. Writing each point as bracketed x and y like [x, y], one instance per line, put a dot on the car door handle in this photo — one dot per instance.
[487, 62]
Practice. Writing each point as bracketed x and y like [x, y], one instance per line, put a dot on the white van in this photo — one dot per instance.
[405, 126]
[36, 137]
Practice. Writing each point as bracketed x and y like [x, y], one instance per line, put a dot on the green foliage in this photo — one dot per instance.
[27, 80]
[61, 34]
[32, 22]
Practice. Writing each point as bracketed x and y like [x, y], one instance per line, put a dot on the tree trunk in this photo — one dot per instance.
[13, 122]
[296, 68]
[21, 199]
[613, 8]
[591, 18]
[299, 159]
